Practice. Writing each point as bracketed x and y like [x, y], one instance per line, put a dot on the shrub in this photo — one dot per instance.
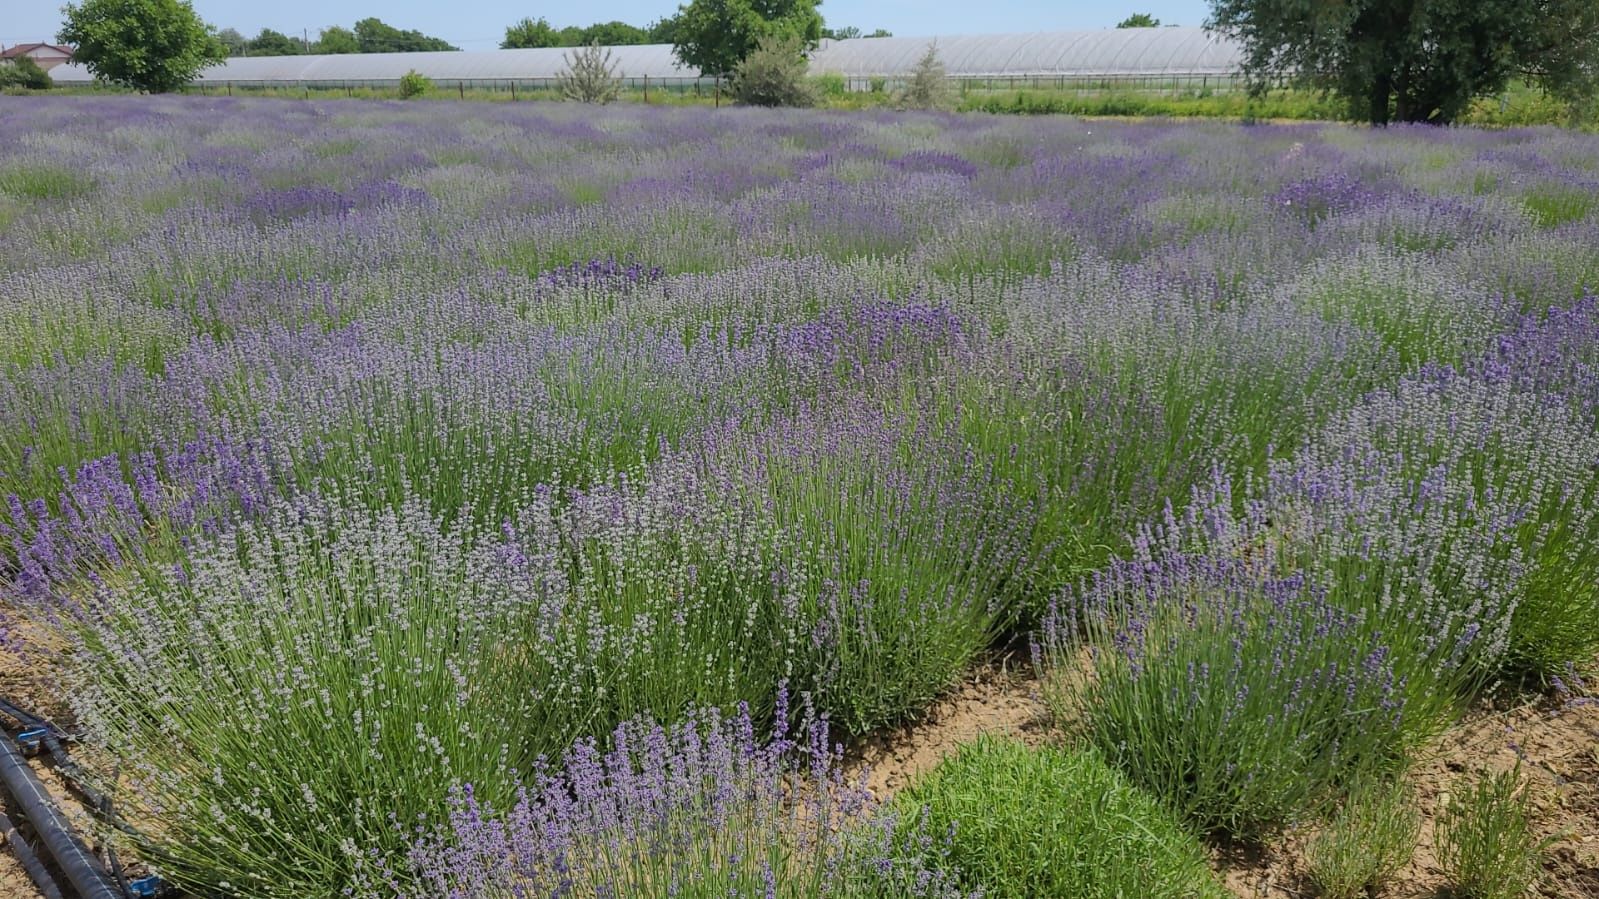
[831, 85]
[928, 87]
[1485, 842]
[1503, 483]
[701, 808]
[366, 662]
[900, 552]
[774, 75]
[1050, 822]
[1459, 515]
[25, 73]
[590, 75]
[414, 84]
[1244, 703]
[1370, 839]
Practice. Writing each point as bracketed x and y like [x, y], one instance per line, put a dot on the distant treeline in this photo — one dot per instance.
[371, 35]
[540, 33]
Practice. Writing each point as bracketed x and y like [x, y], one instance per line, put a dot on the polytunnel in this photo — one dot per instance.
[652, 60]
[1122, 53]
[1111, 53]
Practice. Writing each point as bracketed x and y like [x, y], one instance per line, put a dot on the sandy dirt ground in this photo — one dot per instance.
[19, 684]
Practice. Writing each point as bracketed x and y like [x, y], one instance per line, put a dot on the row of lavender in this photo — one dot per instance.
[365, 453]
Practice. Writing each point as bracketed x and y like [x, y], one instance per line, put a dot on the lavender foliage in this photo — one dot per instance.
[506, 424]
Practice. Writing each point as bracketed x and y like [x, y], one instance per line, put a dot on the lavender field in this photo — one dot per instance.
[485, 501]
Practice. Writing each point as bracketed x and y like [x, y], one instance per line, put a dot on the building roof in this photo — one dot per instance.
[1108, 52]
[25, 49]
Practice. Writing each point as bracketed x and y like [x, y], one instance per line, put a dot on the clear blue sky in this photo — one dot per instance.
[480, 25]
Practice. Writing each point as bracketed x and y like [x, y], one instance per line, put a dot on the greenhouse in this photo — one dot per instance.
[1147, 55]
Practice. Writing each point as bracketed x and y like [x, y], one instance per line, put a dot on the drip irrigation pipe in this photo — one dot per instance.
[49, 737]
[82, 867]
[41, 734]
[30, 862]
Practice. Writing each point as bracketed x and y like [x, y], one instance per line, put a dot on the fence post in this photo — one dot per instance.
[718, 91]
[646, 90]
[461, 87]
[230, 88]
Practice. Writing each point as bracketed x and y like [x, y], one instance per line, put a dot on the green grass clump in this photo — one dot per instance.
[1052, 822]
[1485, 838]
[44, 182]
[1366, 843]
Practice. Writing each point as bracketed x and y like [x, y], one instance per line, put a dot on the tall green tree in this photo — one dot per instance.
[337, 39]
[1139, 20]
[235, 42]
[1416, 60]
[714, 36]
[147, 45]
[613, 34]
[663, 31]
[530, 33]
[275, 43]
[373, 35]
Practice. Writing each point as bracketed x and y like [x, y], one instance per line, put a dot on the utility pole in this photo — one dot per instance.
[305, 38]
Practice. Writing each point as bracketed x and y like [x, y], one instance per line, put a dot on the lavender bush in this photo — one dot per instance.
[701, 808]
[1243, 702]
[367, 662]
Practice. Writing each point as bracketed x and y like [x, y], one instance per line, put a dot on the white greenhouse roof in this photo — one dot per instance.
[1110, 51]
[1107, 52]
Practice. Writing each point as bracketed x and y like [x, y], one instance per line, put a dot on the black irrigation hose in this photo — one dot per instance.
[50, 738]
[30, 862]
[82, 867]
[76, 778]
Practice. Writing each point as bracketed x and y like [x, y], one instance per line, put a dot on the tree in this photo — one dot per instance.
[1139, 20]
[714, 36]
[929, 84]
[148, 45]
[614, 34]
[850, 32]
[590, 76]
[336, 39]
[1416, 60]
[235, 43]
[774, 74]
[24, 72]
[274, 43]
[663, 31]
[530, 33]
[372, 35]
